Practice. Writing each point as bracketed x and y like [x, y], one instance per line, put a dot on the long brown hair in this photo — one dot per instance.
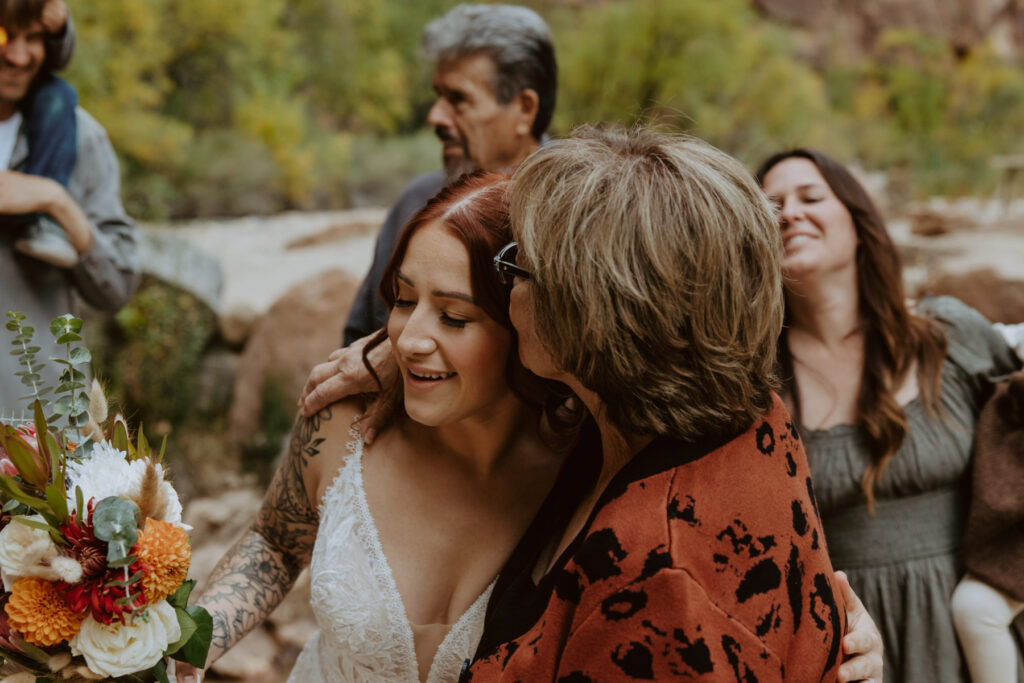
[894, 338]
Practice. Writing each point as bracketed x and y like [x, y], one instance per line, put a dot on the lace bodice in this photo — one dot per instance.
[364, 633]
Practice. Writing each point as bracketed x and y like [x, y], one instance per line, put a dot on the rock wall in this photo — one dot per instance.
[857, 24]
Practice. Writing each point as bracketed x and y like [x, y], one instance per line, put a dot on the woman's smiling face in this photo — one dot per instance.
[817, 229]
[451, 354]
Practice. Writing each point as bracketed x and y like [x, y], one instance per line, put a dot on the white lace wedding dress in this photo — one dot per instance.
[364, 633]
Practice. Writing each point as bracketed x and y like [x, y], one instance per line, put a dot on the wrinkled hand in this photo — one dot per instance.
[54, 16]
[186, 673]
[21, 193]
[862, 644]
[344, 375]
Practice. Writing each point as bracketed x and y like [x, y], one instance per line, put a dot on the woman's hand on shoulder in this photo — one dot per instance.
[344, 375]
[862, 644]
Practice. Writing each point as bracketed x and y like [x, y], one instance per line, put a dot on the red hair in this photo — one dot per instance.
[475, 210]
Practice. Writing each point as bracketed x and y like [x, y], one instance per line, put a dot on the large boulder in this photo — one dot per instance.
[298, 331]
[997, 297]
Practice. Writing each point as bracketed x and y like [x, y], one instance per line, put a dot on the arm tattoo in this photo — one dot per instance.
[254, 576]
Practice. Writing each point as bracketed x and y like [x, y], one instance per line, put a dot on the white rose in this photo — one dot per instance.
[26, 551]
[120, 649]
[106, 472]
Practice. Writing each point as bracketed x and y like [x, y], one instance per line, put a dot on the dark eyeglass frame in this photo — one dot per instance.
[504, 263]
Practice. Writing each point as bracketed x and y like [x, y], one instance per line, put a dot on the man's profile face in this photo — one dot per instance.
[476, 130]
[20, 61]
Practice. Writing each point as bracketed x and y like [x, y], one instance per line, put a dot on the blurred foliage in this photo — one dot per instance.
[240, 106]
[150, 356]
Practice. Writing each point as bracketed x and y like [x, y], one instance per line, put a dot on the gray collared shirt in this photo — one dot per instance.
[106, 276]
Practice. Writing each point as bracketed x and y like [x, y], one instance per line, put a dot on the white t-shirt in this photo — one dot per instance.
[8, 136]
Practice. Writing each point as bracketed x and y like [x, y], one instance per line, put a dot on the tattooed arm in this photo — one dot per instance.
[254, 576]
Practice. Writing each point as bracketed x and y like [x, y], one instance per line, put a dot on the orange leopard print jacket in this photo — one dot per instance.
[700, 562]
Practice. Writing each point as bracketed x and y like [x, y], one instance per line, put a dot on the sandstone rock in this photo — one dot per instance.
[997, 298]
[928, 223]
[858, 25]
[299, 331]
[173, 260]
[262, 257]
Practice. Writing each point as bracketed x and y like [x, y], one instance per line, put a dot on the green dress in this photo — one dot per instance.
[902, 561]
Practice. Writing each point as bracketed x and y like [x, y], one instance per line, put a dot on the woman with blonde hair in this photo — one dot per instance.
[886, 399]
[682, 538]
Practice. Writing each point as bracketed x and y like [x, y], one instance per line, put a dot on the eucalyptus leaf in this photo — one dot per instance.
[79, 354]
[63, 405]
[116, 521]
[68, 337]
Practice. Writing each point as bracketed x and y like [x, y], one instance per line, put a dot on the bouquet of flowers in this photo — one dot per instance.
[93, 552]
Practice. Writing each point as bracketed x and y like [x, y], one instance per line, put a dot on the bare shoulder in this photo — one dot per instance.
[319, 445]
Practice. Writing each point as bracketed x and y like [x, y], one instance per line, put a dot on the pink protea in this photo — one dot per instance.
[28, 434]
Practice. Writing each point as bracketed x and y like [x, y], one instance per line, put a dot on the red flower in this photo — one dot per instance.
[94, 591]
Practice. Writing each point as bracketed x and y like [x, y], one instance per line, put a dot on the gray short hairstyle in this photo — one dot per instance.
[656, 277]
[515, 38]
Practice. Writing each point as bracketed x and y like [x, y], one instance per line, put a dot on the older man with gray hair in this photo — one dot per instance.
[496, 80]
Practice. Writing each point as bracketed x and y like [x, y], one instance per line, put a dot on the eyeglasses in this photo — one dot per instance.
[505, 264]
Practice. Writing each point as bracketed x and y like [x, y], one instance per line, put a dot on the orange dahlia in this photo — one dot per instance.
[165, 554]
[38, 611]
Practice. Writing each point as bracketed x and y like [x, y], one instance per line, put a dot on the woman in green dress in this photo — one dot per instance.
[886, 397]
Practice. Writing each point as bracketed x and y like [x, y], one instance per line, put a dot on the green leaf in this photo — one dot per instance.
[63, 405]
[142, 445]
[80, 354]
[9, 487]
[79, 501]
[122, 562]
[119, 438]
[10, 505]
[179, 598]
[34, 652]
[41, 430]
[68, 337]
[33, 349]
[30, 378]
[188, 629]
[34, 523]
[57, 498]
[116, 521]
[198, 646]
[57, 326]
[160, 672]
